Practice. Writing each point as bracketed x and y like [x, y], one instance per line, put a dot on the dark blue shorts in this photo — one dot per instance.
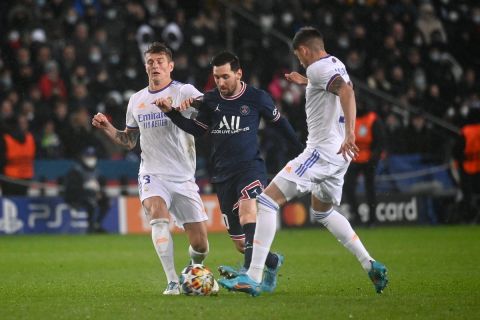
[243, 185]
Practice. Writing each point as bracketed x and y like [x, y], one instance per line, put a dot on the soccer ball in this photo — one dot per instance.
[198, 280]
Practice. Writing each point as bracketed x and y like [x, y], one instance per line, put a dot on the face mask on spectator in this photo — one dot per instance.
[95, 57]
[450, 112]
[435, 55]
[6, 80]
[72, 19]
[420, 81]
[343, 42]
[476, 19]
[131, 73]
[464, 110]
[328, 19]
[114, 58]
[111, 14]
[198, 40]
[89, 162]
[287, 18]
[418, 41]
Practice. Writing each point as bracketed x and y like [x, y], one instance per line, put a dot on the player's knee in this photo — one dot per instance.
[155, 208]
[266, 203]
[248, 217]
[320, 215]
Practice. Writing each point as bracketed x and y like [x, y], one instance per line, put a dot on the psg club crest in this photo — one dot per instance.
[244, 110]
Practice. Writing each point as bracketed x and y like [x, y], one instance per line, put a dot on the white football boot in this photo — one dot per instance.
[173, 289]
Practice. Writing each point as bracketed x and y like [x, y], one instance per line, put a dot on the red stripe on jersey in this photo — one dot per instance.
[203, 125]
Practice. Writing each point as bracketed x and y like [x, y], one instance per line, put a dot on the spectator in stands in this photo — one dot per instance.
[429, 24]
[83, 190]
[51, 85]
[81, 135]
[394, 135]
[49, 145]
[17, 153]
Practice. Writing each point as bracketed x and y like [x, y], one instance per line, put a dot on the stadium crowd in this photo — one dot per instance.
[61, 61]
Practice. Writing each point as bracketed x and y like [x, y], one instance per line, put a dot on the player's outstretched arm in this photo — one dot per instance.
[296, 77]
[126, 138]
[195, 128]
[289, 133]
[345, 92]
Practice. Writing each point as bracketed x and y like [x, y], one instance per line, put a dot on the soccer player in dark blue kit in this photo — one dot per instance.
[231, 113]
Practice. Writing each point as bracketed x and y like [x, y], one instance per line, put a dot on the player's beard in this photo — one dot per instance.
[230, 91]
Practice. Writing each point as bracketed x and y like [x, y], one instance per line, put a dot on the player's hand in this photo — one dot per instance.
[164, 104]
[349, 149]
[100, 121]
[185, 104]
[296, 77]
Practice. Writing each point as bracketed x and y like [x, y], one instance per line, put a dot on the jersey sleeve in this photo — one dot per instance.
[204, 116]
[322, 75]
[130, 118]
[267, 107]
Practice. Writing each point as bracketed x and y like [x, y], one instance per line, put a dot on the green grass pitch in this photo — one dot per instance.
[434, 274]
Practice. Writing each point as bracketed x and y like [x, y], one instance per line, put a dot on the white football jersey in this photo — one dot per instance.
[167, 150]
[325, 119]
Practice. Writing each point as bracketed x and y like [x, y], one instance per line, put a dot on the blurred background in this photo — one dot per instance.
[415, 64]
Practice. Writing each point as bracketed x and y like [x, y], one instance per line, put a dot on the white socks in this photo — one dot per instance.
[339, 226]
[197, 257]
[264, 234]
[163, 243]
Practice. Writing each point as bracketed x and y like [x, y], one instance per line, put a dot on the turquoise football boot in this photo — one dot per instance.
[378, 275]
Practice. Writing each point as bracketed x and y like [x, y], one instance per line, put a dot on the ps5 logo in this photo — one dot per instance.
[10, 223]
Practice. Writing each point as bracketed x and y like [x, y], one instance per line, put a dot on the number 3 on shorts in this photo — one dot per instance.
[146, 179]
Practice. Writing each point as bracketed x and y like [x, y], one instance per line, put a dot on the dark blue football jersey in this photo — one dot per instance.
[233, 124]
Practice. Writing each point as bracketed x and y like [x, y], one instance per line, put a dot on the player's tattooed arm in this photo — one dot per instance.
[127, 138]
[345, 92]
[337, 85]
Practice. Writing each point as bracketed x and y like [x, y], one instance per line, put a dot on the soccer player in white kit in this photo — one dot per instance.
[319, 170]
[166, 176]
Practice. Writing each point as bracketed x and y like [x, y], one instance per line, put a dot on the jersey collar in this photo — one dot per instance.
[160, 90]
[238, 95]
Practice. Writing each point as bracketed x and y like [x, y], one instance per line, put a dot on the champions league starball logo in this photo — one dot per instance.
[244, 110]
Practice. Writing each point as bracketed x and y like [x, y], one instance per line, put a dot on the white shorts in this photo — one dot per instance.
[182, 198]
[312, 174]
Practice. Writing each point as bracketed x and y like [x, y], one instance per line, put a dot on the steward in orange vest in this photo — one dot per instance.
[17, 149]
[369, 137]
[19, 156]
[471, 151]
[467, 154]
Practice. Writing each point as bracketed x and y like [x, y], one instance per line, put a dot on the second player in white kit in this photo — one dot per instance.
[319, 170]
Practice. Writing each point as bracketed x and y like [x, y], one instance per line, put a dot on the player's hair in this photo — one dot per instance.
[158, 47]
[308, 36]
[225, 57]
